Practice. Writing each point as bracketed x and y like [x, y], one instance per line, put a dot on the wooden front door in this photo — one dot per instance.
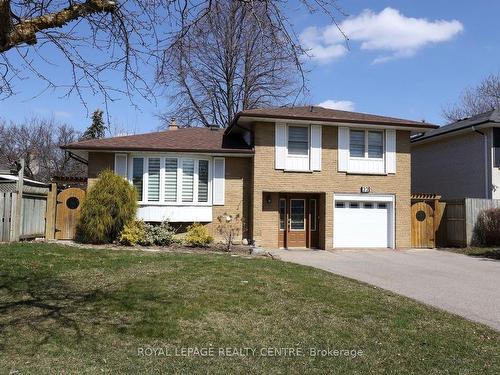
[68, 209]
[298, 221]
[422, 225]
[297, 225]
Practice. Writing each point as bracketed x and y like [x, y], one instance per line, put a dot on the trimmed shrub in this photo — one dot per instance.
[198, 236]
[132, 233]
[487, 229]
[159, 235]
[109, 204]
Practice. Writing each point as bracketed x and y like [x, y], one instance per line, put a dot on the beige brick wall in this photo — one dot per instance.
[237, 194]
[327, 181]
[237, 188]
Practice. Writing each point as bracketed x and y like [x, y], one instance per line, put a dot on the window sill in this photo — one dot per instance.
[365, 159]
[298, 171]
[367, 173]
[298, 156]
[174, 204]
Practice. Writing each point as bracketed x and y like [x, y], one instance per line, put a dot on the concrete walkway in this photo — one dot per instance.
[460, 284]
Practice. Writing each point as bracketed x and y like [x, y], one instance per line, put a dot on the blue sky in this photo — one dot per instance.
[406, 59]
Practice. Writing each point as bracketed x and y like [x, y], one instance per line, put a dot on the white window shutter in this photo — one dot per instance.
[280, 146]
[390, 154]
[315, 151]
[343, 146]
[121, 165]
[218, 181]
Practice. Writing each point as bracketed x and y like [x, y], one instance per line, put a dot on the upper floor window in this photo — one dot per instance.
[366, 144]
[298, 140]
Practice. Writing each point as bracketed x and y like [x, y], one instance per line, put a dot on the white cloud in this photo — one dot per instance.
[313, 40]
[388, 31]
[343, 105]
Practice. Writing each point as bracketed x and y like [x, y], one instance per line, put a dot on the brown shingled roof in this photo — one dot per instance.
[316, 113]
[180, 140]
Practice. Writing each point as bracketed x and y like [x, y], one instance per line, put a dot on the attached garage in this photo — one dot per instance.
[363, 221]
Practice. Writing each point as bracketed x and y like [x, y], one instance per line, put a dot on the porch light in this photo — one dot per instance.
[268, 199]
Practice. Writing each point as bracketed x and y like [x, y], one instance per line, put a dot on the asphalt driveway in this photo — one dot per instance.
[460, 284]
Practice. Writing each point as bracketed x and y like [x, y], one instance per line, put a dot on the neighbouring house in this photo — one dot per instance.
[304, 177]
[459, 160]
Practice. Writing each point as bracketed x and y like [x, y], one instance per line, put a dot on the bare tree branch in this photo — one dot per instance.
[239, 56]
[37, 140]
[475, 100]
[96, 38]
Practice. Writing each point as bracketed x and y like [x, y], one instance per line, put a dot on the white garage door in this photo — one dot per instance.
[361, 224]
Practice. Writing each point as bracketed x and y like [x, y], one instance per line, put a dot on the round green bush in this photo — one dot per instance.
[110, 204]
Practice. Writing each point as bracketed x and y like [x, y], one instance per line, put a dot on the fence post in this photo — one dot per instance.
[17, 214]
[50, 215]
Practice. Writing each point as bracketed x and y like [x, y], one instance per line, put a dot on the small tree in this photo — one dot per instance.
[109, 205]
[229, 227]
[97, 129]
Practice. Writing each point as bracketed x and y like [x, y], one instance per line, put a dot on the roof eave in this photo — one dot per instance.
[150, 149]
[410, 125]
[480, 124]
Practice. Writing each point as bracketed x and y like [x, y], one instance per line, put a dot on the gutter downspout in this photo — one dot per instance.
[486, 179]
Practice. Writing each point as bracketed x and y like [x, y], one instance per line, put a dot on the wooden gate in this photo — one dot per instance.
[423, 220]
[68, 208]
[6, 200]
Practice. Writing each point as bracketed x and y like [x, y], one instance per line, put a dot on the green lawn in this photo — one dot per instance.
[482, 252]
[91, 311]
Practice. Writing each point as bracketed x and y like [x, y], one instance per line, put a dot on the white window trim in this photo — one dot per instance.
[118, 156]
[222, 200]
[308, 141]
[179, 202]
[366, 131]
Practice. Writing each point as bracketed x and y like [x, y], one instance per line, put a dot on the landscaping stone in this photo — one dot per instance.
[257, 251]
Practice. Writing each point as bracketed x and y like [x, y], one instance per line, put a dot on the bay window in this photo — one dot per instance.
[154, 179]
[137, 175]
[368, 144]
[187, 180]
[203, 181]
[171, 180]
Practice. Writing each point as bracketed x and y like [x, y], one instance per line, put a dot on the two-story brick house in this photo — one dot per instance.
[300, 177]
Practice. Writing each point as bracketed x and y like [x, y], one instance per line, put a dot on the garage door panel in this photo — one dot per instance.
[361, 225]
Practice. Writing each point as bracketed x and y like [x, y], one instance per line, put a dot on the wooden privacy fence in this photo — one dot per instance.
[458, 222]
[23, 207]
